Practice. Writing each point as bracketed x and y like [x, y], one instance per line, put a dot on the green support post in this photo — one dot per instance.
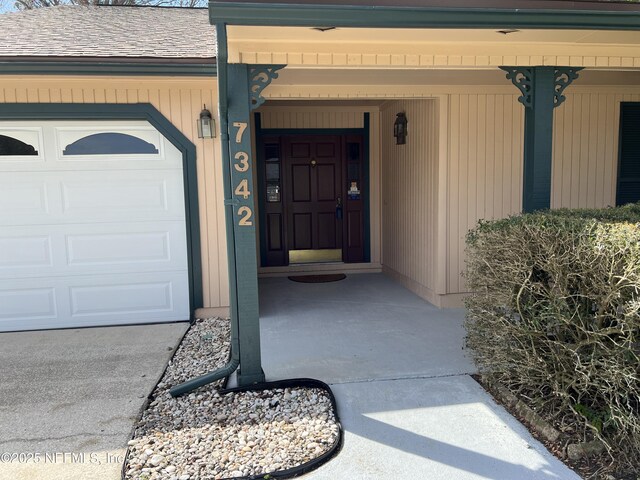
[240, 88]
[242, 165]
[538, 143]
[541, 89]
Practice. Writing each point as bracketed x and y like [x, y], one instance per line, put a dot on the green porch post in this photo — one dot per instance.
[244, 230]
[245, 83]
[541, 89]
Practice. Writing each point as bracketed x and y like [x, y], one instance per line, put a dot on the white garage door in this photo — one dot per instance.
[92, 225]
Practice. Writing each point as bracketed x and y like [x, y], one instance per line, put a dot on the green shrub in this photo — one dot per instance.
[556, 317]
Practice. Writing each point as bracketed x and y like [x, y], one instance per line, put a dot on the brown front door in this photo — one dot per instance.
[312, 191]
[312, 188]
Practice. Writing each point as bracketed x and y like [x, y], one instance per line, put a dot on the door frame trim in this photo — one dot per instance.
[136, 111]
[366, 171]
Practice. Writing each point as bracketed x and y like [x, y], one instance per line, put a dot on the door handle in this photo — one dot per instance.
[339, 208]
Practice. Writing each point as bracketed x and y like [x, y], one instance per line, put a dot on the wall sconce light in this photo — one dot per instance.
[400, 128]
[206, 124]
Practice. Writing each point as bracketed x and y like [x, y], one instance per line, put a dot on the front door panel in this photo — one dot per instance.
[313, 191]
[312, 184]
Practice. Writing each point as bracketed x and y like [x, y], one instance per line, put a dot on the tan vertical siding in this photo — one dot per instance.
[375, 186]
[585, 149]
[486, 158]
[180, 100]
[311, 118]
[484, 179]
[409, 191]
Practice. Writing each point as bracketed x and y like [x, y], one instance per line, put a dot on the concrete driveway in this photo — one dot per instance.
[69, 398]
[401, 378]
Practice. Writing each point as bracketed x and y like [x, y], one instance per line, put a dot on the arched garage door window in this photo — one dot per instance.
[110, 143]
[10, 146]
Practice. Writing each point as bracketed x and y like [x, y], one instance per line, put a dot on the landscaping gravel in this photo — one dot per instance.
[206, 435]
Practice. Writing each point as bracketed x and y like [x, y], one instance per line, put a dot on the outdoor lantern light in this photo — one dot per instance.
[400, 128]
[206, 125]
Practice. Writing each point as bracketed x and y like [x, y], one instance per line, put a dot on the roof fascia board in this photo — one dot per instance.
[106, 68]
[260, 14]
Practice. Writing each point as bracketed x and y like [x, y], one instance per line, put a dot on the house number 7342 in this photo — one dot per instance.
[242, 166]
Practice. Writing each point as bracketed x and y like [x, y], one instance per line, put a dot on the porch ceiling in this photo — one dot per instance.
[432, 48]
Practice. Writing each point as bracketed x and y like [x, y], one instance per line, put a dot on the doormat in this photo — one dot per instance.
[318, 278]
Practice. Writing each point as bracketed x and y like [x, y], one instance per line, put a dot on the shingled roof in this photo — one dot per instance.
[77, 32]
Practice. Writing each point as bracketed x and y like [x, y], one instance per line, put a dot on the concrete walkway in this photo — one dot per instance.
[73, 396]
[401, 378]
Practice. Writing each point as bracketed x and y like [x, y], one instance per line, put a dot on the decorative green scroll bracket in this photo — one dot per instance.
[261, 77]
[541, 91]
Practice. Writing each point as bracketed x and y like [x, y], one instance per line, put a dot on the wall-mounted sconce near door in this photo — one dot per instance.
[400, 128]
[206, 124]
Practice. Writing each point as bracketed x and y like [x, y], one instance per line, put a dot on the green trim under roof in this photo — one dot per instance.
[417, 17]
[66, 67]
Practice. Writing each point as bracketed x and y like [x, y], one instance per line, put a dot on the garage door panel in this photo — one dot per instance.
[112, 196]
[90, 197]
[109, 248]
[143, 194]
[23, 304]
[24, 252]
[126, 247]
[158, 295]
[23, 199]
[60, 302]
[109, 299]
[92, 226]
[100, 248]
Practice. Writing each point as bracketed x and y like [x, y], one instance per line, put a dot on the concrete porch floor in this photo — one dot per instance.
[400, 375]
[366, 327]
